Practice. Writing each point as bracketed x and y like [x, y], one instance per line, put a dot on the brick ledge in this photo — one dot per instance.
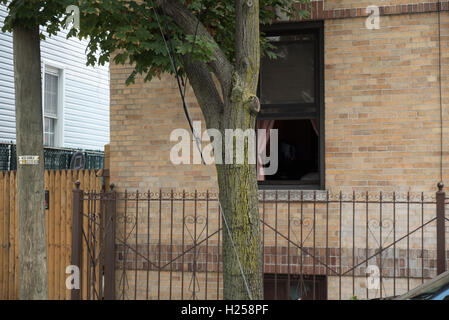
[317, 11]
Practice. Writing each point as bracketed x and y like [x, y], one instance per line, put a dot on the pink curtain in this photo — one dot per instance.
[262, 145]
[315, 126]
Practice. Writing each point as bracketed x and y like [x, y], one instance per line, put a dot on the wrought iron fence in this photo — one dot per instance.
[54, 158]
[316, 245]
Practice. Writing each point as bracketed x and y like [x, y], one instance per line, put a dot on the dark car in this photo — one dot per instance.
[435, 289]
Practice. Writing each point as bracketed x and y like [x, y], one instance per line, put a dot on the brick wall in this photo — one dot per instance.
[382, 113]
[382, 102]
[142, 118]
[396, 6]
[163, 236]
[382, 117]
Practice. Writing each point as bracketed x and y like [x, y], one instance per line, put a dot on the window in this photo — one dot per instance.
[295, 287]
[52, 107]
[291, 95]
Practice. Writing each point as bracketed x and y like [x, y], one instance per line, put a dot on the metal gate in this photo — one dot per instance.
[93, 244]
[316, 245]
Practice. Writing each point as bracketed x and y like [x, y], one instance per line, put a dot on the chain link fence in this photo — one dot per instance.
[54, 158]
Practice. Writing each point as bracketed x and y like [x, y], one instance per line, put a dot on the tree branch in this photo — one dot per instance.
[205, 90]
[221, 66]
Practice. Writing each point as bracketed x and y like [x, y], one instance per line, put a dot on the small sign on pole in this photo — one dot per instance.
[29, 160]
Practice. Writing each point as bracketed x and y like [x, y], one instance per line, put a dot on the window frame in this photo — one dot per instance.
[285, 110]
[282, 282]
[49, 132]
[58, 70]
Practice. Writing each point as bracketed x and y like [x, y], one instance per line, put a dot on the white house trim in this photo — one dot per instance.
[59, 70]
[85, 104]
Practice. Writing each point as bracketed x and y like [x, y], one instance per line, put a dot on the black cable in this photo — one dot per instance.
[173, 53]
[193, 44]
[169, 48]
[198, 144]
[181, 83]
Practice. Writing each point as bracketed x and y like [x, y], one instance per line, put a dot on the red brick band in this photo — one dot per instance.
[281, 260]
[317, 11]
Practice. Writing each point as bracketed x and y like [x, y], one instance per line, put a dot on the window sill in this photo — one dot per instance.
[272, 194]
[274, 187]
[290, 185]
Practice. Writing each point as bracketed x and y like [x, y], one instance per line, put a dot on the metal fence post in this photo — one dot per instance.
[109, 245]
[441, 245]
[77, 236]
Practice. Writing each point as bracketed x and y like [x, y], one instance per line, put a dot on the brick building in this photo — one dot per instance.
[369, 121]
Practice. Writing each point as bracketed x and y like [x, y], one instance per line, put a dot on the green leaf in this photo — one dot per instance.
[131, 28]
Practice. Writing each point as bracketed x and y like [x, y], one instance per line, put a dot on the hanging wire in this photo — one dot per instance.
[440, 88]
[171, 53]
[185, 82]
[182, 83]
[235, 250]
[168, 46]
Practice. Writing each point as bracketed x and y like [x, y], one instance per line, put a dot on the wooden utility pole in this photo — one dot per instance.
[30, 170]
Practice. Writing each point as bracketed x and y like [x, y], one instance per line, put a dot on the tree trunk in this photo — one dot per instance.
[236, 109]
[239, 199]
[30, 177]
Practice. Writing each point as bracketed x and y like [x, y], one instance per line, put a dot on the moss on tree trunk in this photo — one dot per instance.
[239, 200]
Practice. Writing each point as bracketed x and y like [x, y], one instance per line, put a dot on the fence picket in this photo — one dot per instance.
[12, 232]
[68, 226]
[3, 242]
[62, 232]
[58, 225]
[57, 245]
[47, 224]
[6, 235]
[16, 237]
[84, 186]
[51, 253]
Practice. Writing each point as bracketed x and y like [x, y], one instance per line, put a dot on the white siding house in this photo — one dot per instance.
[76, 97]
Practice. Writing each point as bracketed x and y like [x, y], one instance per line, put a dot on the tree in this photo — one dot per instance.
[24, 20]
[207, 39]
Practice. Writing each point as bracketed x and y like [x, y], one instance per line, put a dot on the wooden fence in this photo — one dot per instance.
[60, 185]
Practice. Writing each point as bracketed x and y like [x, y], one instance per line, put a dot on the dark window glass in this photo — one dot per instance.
[298, 288]
[291, 77]
[290, 95]
[298, 142]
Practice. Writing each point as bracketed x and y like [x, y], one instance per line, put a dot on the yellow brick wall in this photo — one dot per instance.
[382, 121]
[382, 118]
[142, 118]
[345, 4]
[382, 102]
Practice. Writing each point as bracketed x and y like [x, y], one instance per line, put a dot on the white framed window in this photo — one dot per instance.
[53, 99]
